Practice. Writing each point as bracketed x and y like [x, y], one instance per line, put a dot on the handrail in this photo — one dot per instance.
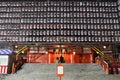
[22, 49]
[98, 51]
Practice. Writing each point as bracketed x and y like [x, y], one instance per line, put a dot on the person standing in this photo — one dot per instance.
[57, 60]
[61, 59]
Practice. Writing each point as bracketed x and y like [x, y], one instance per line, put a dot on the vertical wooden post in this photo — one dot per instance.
[92, 55]
[60, 78]
[28, 52]
[71, 58]
[107, 69]
[49, 58]
[13, 68]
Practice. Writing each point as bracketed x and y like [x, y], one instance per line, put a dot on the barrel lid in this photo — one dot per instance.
[5, 51]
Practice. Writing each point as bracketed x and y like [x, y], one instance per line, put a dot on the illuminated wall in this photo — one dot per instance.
[59, 21]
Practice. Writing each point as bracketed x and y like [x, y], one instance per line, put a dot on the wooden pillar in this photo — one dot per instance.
[49, 58]
[28, 52]
[71, 57]
[92, 56]
[13, 68]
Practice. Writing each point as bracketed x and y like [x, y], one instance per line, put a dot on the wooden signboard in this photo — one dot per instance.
[60, 70]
